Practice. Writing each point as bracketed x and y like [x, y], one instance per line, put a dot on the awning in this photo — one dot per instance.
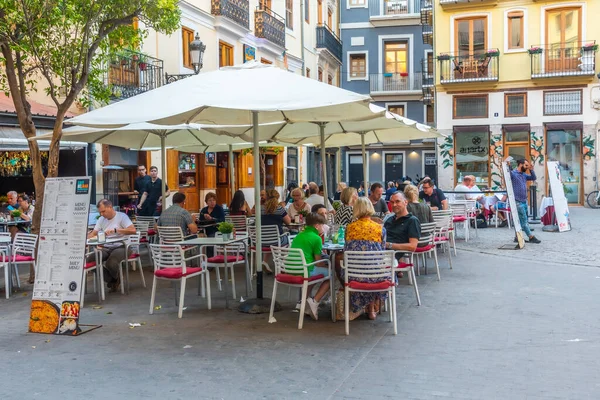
[12, 139]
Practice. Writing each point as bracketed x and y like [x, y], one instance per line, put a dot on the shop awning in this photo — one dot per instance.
[12, 139]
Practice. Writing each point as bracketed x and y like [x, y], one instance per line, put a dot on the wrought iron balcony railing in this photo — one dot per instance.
[427, 74]
[427, 12]
[236, 10]
[326, 39]
[428, 95]
[460, 2]
[269, 25]
[395, 82]
[130, 73]
[469, 67]
[427, 34]
[390, 8]
[563, 59]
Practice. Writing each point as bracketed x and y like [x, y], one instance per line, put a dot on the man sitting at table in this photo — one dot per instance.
[378, 202]
[468, 185]
[177, 215]
[311, 245]
[435, 197]
[112, 223]
[403, 229]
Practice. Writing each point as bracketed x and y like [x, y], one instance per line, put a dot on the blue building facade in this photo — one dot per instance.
[384, 56]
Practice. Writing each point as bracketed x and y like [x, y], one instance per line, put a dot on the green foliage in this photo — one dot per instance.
[15, 214]
[225, 227]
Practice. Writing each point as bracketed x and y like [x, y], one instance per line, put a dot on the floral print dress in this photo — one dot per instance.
[365, 235]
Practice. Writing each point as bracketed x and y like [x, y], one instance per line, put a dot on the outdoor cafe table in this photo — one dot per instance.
[5, 224]
[99, 267]
[220, 242]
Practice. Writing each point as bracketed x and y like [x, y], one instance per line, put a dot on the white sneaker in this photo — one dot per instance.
[298, 305]
[312, 308]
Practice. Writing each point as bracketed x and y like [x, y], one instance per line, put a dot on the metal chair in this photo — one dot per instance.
[240, 222]
[426, 245]
[443, 232]
[460, 216]
[95, 267]
[132, 251]
[23, 252]
[438, 214]
[235, 257]
[270, 236]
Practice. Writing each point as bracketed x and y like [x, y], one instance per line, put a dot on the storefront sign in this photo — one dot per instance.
[561, 208]
[430, 159]
[473, 144]
[61, 252]
[513, 204]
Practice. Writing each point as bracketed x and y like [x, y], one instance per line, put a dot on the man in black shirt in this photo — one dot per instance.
[403, 229]
[141, 181]
[152, 194]
[434, 196]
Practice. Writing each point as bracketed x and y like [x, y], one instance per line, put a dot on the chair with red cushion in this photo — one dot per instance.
[142, 227]
[170, 264]
[443, 232]
[450, 234]
[235, 257]
[291, 270]
[92, 266]
[426, 246]
[151, 232]
[132, 249]
[23, 252]
[240, 222]
[369, 271]
[4, 264]
[504, 208]
[460, 216]
[269, 236]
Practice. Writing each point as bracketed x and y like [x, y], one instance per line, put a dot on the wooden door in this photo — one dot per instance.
[563, 39]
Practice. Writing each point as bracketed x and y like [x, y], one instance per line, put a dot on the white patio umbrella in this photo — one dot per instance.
[237, 95]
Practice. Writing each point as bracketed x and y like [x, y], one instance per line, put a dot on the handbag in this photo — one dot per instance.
[339, 308]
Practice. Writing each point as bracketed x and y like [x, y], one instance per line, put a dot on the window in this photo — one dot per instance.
[515, 30]
[396, 57]
[225, 54]
[289, 14]
[292, 165]
[187, 36]
[320, 75]
[320, 12]
[358, 65]
[396, 109]
[307, 11]
[308, 72]
[563, 144]
[429, 64]
[471, 149]
[265, 61]
[470, 107]
[563, 39]
[563, 102]
[329, 80]
[471, 36]
[429, 115]
[515, 105]
[357, 3]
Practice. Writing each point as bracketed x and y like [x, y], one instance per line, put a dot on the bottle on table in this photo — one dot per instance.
[341, 235]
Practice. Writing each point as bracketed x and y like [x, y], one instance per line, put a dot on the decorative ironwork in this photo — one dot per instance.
[177, 77]
[130, 73]
[428, 95]
[460, 2]
[427, 34]
[563, 59]
[395, 82]
[326, 39]
[427, 12]
[427, 73]
[381, 8]
[463, 67]
[236, 10]
[269, 25]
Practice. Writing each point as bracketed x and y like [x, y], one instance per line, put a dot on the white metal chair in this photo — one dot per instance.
[240, 222]
[291, 270]
[23, 252]
[460, 217]
[151, 231]
[132, 251]
[270, 236]
[437, 214]
[505, 210]
[235, 257]
[4, 264]
[142, 228]
[95, 267]
[409, 268]
[443, 232]
[170, 264]
[425, 246]
[359, 267]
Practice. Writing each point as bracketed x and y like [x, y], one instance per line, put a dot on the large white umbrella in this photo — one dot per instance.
[237, 95]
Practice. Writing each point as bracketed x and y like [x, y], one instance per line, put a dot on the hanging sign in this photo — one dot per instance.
[513, 206]
[561, 207]
[430, 159]
[61, 253]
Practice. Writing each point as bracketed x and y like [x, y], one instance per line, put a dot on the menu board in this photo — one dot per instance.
[561, 205]
[513, 206]
[59, 265]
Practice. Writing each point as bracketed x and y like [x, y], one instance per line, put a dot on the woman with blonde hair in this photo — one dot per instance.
[420, 210]
[298, 205]
[272, 212]
[344, 214]
[338, 193]
[365, 234]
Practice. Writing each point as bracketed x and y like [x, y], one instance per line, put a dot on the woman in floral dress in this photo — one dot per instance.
[365, 235]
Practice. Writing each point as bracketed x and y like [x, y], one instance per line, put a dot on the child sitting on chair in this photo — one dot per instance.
[311, 245]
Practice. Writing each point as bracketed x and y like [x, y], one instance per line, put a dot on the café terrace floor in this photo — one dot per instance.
[502, 324]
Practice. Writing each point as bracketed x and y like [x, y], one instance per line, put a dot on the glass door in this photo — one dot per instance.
[563, 39]
[394, 167]
[355, 171]
[564, 146]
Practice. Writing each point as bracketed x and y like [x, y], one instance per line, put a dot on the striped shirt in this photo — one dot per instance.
[344, 215]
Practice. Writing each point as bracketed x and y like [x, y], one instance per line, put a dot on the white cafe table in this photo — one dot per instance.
[99, 265]
[220, 242]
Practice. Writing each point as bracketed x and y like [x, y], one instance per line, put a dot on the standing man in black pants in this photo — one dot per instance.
[152, 195]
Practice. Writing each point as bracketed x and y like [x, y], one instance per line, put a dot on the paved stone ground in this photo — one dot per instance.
[501, 325]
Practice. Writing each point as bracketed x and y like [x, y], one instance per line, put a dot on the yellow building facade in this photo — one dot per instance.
[518, 78]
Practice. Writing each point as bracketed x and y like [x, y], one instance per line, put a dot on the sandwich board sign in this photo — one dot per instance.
[561, 205]
[513, 205]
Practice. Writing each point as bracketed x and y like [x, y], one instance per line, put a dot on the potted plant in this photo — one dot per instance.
[444, 57]
[16, 215]
[492, 53]
[337, 204]
[535, 50]
[589, 47]
[226, 229]
[142, 62]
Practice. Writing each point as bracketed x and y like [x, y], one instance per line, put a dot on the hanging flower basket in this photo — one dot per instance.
[535, 50]
[444, 57]
[589, 47]
[493, 53]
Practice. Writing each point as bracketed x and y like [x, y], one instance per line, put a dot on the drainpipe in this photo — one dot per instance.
[302, 36]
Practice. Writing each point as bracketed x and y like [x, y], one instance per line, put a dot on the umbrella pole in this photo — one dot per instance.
[163, 167]
[364, 157]
[324, 162]
[231, 171]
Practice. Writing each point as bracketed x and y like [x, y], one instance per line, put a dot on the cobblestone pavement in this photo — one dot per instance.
[501, 325]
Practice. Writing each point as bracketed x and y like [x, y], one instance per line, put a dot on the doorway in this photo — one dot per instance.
[394, 166]
[355, 170]
[223, 181]
[563, 39]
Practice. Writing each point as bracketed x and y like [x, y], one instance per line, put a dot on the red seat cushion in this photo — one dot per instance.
[151, 232]
[144, 240]
[404, 265]
[296, 279]
[459, 218]
[90, 264]
[221, 259]
[175, 273]
[423, 249]
[133, 255]
[20, 258]
[263, 249]
[384, 285]
[441, 238]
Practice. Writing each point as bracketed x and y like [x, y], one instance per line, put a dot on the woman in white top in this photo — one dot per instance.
[298, 205]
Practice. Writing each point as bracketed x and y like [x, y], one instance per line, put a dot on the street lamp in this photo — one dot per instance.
[196, 49]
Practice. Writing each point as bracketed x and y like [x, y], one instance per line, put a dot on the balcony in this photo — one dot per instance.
[427, 34]
[428, 96]
[329, 41]
[463, 3]
[395, 83]
[564, 59]
[269, 25]
[236, 10]
[427, 12]
[462, 67]
[394, 12]
[130, 73]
